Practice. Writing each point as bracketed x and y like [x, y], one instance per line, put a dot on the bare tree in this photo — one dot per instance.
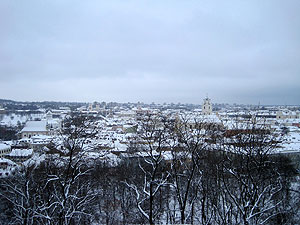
[68, 174]
[190, 137]
[153, 141]
[252, 180]
[21, 194]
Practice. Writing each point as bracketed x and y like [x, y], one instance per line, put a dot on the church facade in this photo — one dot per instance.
[207, 106]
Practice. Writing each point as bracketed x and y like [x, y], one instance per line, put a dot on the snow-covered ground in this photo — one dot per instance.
[13, 119]
[291, 143]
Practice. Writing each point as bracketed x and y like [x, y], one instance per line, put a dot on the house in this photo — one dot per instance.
[2, 110]
[4, 149]
[37, 142]
[34, 128]
[287, 114]
[20, 155]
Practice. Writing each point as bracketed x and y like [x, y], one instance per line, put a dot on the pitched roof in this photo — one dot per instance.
[4, 146]
[35, 126]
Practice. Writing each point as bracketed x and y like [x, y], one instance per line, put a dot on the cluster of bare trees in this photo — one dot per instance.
[212, 176]
[52, 192]
[177, 173]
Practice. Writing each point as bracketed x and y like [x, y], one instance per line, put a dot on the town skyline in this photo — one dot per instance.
[147, 103]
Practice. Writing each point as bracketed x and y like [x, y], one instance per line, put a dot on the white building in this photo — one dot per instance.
[37, 142]
[53, 124]
[34, 128]
[20, 155]
[287, 114]
[4, 149]
[206, 107]
[2, 110]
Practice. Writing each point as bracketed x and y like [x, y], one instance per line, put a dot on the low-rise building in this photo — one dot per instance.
[20, 155]
[287, 114]
[4, 149]
[39, 141]
[34, 128]
[2, 110]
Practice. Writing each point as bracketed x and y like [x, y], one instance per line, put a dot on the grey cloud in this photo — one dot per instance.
[166, 51]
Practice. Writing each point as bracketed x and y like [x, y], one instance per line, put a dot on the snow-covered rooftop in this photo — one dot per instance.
[35, 126]
[21, 152]
[4, 146]
[8, 161]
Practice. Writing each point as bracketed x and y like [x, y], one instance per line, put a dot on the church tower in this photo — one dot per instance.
[206, 107]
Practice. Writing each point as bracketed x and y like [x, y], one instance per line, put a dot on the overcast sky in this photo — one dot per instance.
[150, 51]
